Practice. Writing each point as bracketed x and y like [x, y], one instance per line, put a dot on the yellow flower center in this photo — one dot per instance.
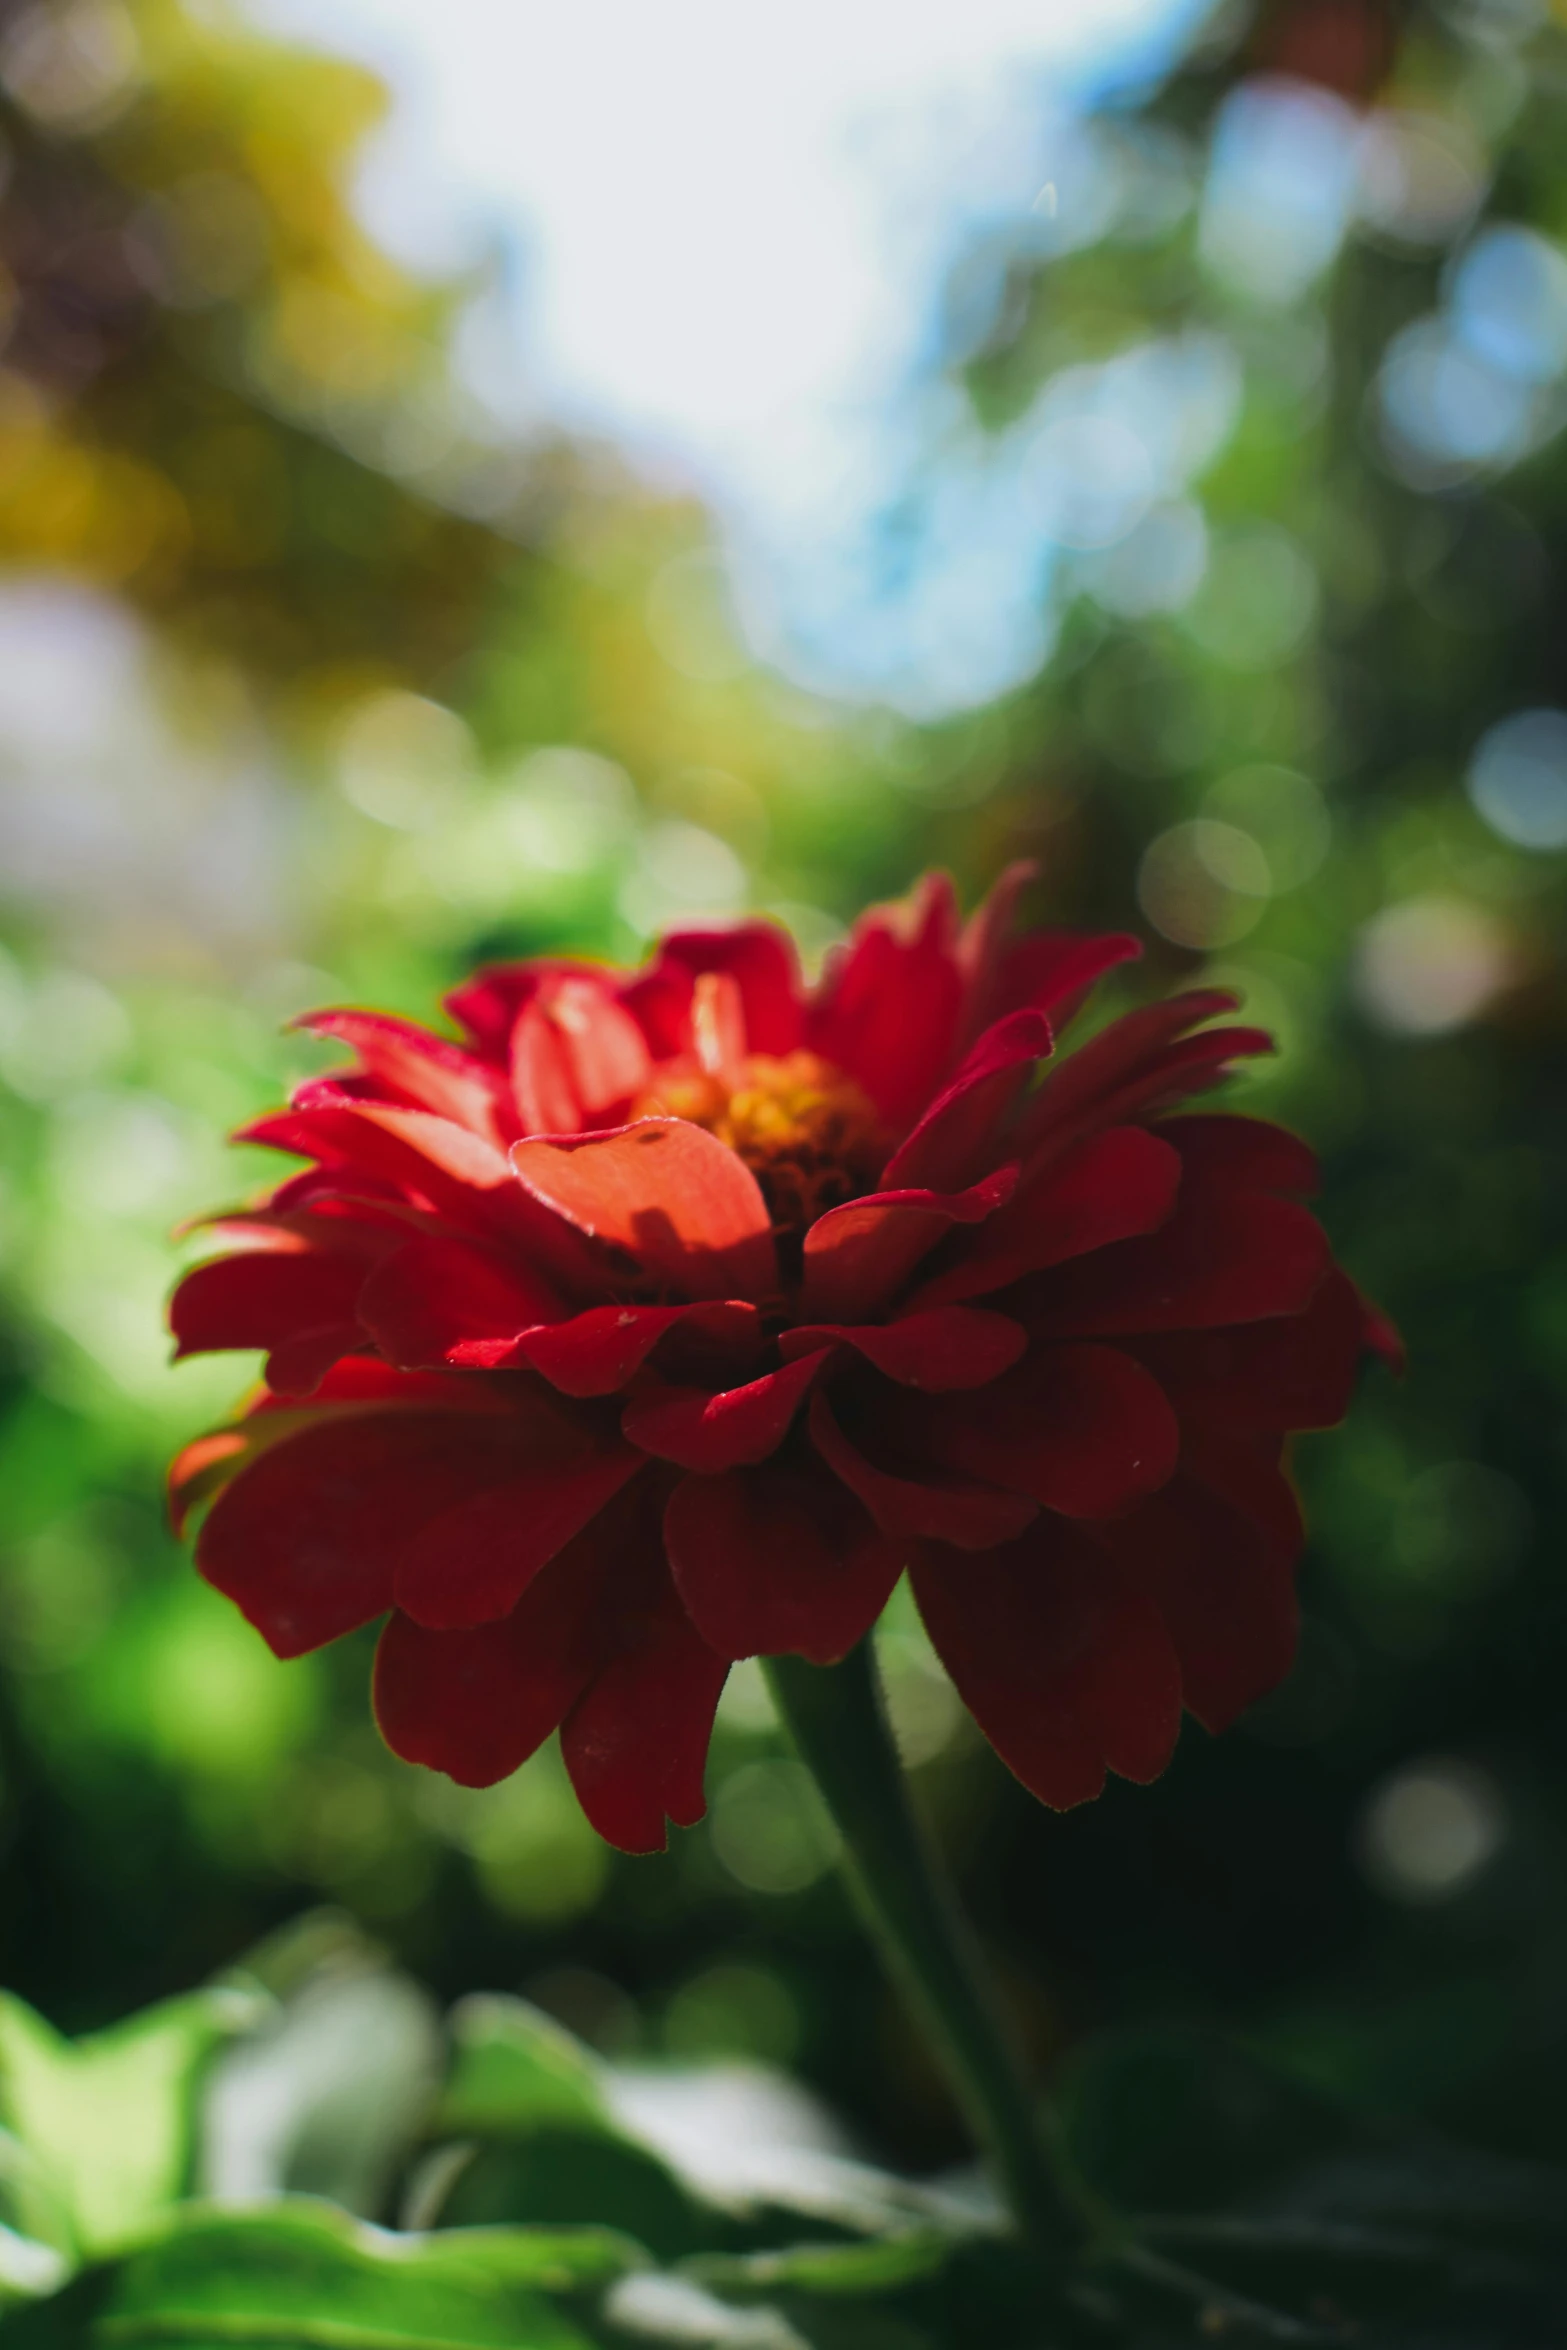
[808, 1134]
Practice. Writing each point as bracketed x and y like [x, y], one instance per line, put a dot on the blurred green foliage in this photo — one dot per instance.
[353, 2171]
[380, 692]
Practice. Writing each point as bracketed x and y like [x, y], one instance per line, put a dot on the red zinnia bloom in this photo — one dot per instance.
[671, 1316]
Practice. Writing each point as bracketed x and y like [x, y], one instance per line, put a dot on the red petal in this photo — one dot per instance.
[778, 1561]
[636, 1742]
[951, 1347]
[1137, 1066]
[597, 1352]
[472, 1704]
[476, 1704]
[664, 1200]
[340, 1222]
[1063, 1661]
[718, 1026]
[531, 1483]
[435, 1300]
[423, 1072]
[1291, 1371]
[761, 960]
[710, 1433]
[955, 1142]
[576, 1055]
[1050, 969]
[295, 1299]
[969, 1516]
[1229, 1603]
[1054, 970]
[1237, 1257]
[1195, 1065]
[1113, 1187]
[547, 1101]
[890, 1005]
[437, 1165]
[349, 1194]
[1381, 1335]
[306, 1538]
[1243, 1154]
[487, 1004]
[1083, 1429]
[202, 1468]
[1246, 1472]
[296, 1366]
[858, 1256]
[1128, 1044]
[985, 941]
[364, 1382]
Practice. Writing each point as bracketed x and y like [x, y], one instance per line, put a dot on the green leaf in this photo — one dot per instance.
[107, 2124]
[885, 2266]
[700, 2159]
[28, 2268]
[674, 2309]
[755, 2145]
[515, 2069]
[544, 2145]
[332, 2095]
[562, 2178]
[302, 2273]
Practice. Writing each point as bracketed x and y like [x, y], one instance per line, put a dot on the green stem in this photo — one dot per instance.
[836, 1718]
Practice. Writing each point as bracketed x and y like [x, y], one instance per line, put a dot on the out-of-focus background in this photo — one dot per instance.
[497, 478]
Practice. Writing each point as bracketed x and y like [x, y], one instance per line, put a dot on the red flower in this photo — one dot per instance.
[672, 1316]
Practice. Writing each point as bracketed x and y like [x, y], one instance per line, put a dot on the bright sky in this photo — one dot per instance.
[726, 224]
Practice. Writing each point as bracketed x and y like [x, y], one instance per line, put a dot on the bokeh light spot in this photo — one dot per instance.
[1430, 1830]
[401, 758]
[1157, 567]
[681, 869]
[1280, 183]
[771, 1829]
[74, 68]
[1421, 175]
[1446, 410]
[734, 2010]
[1509, 301]
[1092, 478]
[1202, 883]
[1283, 812]
[1430, 964]
[1518, 779]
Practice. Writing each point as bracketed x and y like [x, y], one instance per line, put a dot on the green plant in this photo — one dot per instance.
[305, 2155]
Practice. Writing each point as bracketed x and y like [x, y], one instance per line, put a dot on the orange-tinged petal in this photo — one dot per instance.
[665, 1203]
